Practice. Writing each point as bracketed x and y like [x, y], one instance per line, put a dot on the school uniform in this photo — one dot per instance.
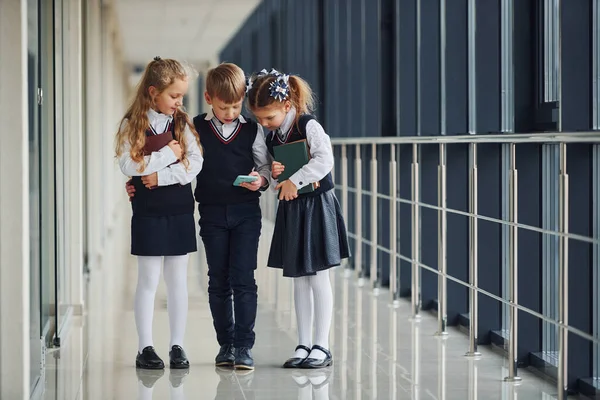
[310, 233]
[163, 217]
[230, 223]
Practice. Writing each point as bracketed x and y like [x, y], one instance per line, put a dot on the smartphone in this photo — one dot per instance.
[244, 178]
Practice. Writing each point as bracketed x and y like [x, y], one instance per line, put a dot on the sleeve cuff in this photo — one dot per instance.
[163, 177]
[299, 181]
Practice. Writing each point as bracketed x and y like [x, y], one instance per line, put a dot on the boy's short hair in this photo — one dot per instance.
[227, 82]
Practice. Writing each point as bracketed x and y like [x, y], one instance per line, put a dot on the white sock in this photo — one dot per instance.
[323, 299]
[175, 272]
[145, 292]
[176, 393]
[321, 393]
[303, 303]
[144, 393]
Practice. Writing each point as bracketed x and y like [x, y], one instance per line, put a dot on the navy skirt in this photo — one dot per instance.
[170, 235]
[310, 235]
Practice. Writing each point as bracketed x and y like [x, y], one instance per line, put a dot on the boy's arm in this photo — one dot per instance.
[321, 161]
[262, 158]
[178, 173]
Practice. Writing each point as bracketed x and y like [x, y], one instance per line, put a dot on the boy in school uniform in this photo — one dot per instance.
[230, 216]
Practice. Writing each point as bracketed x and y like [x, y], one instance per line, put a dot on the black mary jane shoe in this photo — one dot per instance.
[178, 358]
[313, 363]
[295, 362]
[148, 359]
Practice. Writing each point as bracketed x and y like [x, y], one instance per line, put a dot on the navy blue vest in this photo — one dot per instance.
[224, 160]
[162, 200]
[298, 132]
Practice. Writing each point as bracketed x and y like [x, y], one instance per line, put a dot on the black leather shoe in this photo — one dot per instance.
[243, 358]
[178, 359]
[149, 377]
[225, 358]
[295, 362]
[148, 359]
[313, 363]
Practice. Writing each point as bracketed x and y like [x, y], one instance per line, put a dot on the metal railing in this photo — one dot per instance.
[372, 270]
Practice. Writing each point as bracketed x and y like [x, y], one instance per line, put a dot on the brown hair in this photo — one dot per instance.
[227, 82]
[300, 94]
[160, 73]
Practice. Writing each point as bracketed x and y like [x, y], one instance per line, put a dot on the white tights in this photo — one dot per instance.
[175, 272]
[313, 293]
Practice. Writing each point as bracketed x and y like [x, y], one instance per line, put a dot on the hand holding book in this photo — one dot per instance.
[277, 169]
[287, 190]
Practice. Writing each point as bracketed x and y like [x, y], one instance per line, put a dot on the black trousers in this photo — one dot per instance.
[230, 234]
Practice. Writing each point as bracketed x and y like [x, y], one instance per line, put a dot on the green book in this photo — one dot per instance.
[294, 156]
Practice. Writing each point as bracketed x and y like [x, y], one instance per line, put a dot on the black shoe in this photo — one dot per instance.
[148, 359]
[243, 358]
[295, 362]
[312, 363]
[176, 377]
[149, 377]
[225, 358]
[178, 359]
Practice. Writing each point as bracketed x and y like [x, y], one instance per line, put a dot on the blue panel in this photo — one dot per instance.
[488, 66]
[456, 67]
[406, 68]
[489, 238]
[429, 222]
[576, 65]
[524, 65]
[579, 167]
[528, 163]
[430, 68]
[457, 172]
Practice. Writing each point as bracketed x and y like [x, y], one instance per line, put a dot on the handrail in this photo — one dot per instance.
[554, 137]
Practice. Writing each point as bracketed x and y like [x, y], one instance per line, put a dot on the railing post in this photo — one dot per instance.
[473, 254]
[442, 317]
[344, 169]
[563, 276]
[394, 273]
[416, 234]
[358, 217]
[514, 270]
[374, 276]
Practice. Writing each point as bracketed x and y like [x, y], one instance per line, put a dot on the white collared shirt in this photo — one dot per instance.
[260, 153]
[160, 161]
[321, 162]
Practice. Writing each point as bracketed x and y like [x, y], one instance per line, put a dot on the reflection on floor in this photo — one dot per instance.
[379, 352]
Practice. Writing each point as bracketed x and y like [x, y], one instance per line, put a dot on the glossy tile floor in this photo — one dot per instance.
[379, 352]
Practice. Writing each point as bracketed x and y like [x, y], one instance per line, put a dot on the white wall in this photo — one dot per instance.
[86, 136]
[14, 203]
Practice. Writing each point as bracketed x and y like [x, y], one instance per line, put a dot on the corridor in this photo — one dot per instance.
[379, 352]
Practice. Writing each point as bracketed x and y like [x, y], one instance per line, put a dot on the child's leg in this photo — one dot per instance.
[175, 272]
[323, 297]
[148, 276]
[215, 236]
[246, 225]
[303, 303]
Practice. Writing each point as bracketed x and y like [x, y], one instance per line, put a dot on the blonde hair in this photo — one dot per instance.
[160, 73]
[300, 94]
[227, 82]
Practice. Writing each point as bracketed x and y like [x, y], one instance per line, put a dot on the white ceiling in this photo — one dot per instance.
[188, 30]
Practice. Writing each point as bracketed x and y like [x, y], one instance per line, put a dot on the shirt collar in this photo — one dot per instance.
[210, 115]
[156, 119]
[288, 121]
